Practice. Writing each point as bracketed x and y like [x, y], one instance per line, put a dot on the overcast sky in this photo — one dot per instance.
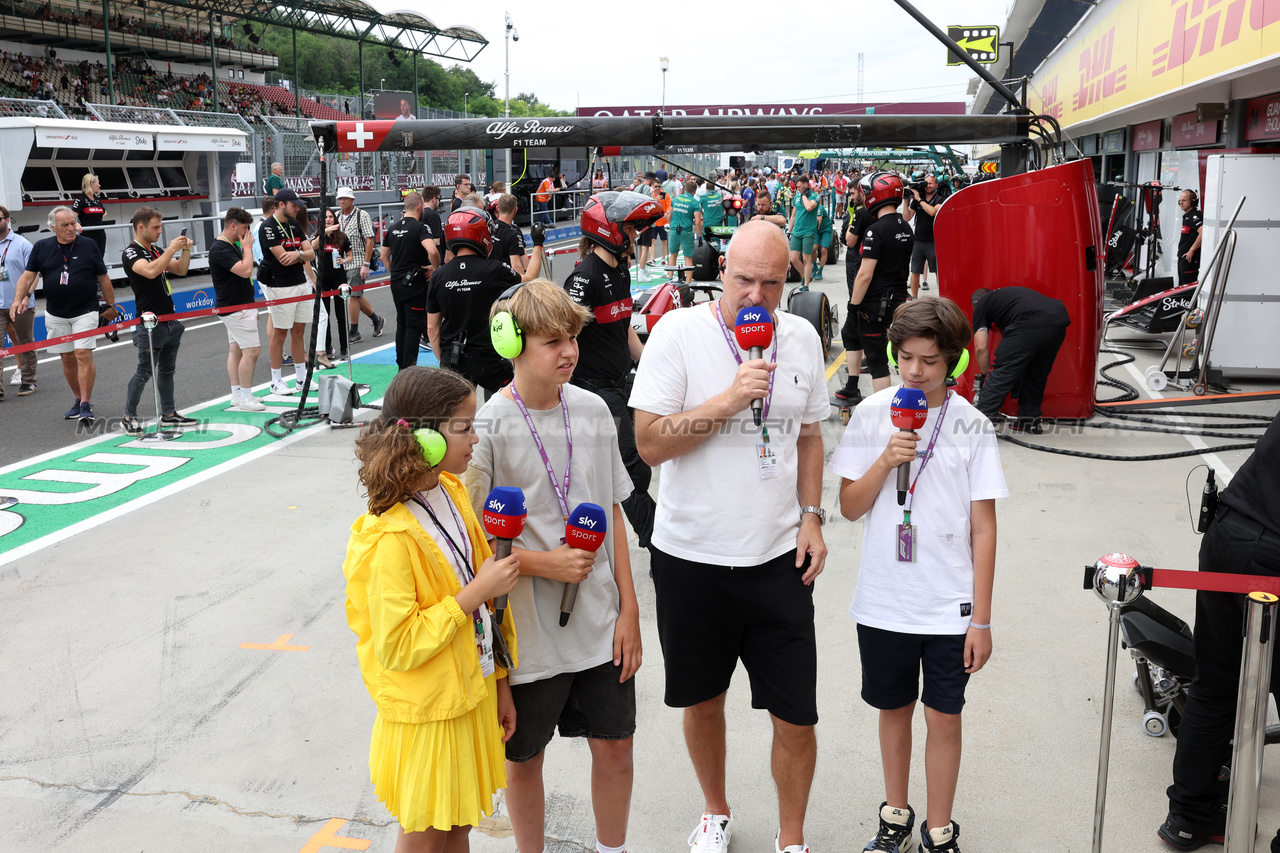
[596, 54]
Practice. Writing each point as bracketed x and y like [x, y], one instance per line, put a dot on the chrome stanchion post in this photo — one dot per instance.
[1117, 581]
[1251, 722]
[149, 322]
[344, 291]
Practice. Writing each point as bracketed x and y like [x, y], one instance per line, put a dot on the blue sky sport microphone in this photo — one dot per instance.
[585, 529]
[754, 330]
[503, 519]
[909, 410]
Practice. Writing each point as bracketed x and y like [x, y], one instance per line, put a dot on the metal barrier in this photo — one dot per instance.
[577, 201]
[1118, 579]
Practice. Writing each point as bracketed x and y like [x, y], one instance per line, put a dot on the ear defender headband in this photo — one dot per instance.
[431, 441]
[504, 330]
[956, 367]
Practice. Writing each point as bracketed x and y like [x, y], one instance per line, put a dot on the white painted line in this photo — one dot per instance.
[172, 489]
[1215, 462]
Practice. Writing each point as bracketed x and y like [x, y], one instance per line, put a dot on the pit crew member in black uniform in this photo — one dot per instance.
[1032, 327]
[409, 252]
[1243, 538]
[608, 345]
[855, 226]
[1189, 240]
[462, 291]
[881, 284]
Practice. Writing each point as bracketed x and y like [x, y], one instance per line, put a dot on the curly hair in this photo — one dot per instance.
[392, 466]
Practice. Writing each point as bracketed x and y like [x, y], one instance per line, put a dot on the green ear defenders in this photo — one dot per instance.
[431, 441]
[504, 329]
[958, 367]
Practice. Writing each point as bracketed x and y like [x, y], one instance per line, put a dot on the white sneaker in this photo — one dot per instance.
[249, 404]
[282, 390]
[794, 848]
[17, 378]
[712, 834]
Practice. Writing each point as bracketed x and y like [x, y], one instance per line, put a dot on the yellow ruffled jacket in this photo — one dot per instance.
[416, 647]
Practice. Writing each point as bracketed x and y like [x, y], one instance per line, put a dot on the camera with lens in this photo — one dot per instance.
[921, 186]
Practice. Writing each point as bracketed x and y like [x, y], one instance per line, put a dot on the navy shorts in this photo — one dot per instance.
[590, 704]
[892, 663]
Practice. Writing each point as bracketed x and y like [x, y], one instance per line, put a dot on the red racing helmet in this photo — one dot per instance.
[469, 227]
[606, 213]
[883, 188]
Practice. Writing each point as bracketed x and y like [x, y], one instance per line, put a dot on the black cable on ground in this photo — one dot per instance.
[304, 416]
[1127, 391]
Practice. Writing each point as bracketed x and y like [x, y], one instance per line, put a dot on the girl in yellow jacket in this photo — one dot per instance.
[420, 577]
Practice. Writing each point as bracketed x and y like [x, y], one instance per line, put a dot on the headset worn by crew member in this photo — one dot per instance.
[1189, 239]
[609, 346]
[881, 283]
[461, 292]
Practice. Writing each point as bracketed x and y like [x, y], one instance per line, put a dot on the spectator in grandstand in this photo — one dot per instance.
[14, 251]
[148, 269]
[358, 226]
[285, 252]
[275, 181]
[89, 210]
[72, 270]
[230, 265]
[461, 189]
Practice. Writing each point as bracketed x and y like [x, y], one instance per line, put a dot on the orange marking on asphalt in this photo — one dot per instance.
[328, 837]
[280, 645]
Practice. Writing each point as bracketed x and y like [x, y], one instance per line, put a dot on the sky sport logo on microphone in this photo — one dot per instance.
[504, 513]
[909, 408]
[753, 328]
[586, 527]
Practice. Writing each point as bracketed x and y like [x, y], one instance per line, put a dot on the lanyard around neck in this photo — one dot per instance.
[562, 493]
[733, 348]
[928, 454]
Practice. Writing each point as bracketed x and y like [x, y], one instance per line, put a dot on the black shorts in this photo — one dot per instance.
[922, 252]
[874, 316]
[892, 663]
[590, 704]
[655, 232]
[710, 616]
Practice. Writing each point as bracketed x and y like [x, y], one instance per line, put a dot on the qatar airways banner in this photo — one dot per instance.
[898, 109]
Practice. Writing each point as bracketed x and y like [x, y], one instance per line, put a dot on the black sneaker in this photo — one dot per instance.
[132, 426]
[378, 323]
[1182, 834]
[948, 846]
[849, 395]
[894, 837]
[26, 388]
[355, 337]
[176, 419]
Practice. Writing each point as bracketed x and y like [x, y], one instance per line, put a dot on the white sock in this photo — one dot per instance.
[236, 392]
[300, 373]
[602, 848]
[275, 375]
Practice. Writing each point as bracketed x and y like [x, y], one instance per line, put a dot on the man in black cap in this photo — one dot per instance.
[285, 251]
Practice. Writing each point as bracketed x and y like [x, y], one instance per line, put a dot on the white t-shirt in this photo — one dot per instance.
[507, 456]
[713, 505]
[933, 595]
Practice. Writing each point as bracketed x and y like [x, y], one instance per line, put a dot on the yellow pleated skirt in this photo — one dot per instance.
[442, 774]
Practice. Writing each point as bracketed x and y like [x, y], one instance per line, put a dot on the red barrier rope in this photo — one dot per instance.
[1213, 581]
[201, 312]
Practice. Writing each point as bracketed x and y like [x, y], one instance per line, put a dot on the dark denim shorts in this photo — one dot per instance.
[590, 704]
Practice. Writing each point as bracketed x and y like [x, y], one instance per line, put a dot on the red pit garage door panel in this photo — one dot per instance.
[1039, 230]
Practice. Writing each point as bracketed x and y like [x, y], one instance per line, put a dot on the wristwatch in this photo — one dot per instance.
[816, 510]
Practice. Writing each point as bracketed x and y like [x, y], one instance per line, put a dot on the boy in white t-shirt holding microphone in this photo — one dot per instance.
[923, 601]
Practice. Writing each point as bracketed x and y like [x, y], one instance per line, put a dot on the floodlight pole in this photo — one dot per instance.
[360, 46]
[417, 107]
[297, 87]
[106, 34]
[213, 58]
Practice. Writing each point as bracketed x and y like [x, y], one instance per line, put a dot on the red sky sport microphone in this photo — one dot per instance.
[909, 410]
[585, 530]
[754, 331]
[503, 519]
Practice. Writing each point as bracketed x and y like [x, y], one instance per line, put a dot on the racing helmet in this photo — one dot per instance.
[469, 227]
[882, 188]
[606, 212]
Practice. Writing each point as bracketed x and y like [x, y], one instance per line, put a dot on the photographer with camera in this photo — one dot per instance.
[923, 207]
[881, 285]
[460, 293]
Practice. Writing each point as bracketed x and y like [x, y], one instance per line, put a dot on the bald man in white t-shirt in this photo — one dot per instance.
[738, 539]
